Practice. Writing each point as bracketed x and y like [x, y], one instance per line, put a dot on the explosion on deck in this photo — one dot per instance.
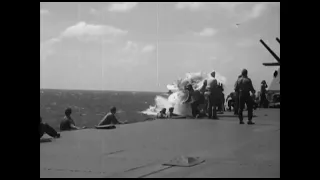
[180, 95]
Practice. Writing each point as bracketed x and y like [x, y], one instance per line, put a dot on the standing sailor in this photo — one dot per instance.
[213, 96]
[244, 87]
[263, 90]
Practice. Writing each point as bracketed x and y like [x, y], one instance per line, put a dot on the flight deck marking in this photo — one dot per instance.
[115, 152]
[154, 172]
[73, 170]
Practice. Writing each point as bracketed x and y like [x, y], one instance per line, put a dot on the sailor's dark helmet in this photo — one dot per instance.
[68, 111]
[244, 72]
[189, 86]
[113, 109]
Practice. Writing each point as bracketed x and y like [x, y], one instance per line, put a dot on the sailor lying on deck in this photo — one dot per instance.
[45, 128]
[109, 120]
[67, 122]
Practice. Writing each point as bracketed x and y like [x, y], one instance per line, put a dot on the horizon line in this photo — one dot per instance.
[101, 90]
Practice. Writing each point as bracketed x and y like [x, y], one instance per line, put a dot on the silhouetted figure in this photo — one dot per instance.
[222, 103]
[214, 95]
[236, 102]
[194, 100]
[110, 118]
[221, 107]
[203, 100]
[162, 114]
[67, 122]
[263, 97]
[45, 128]
[275, 74]
[244, 87]
[172, 115]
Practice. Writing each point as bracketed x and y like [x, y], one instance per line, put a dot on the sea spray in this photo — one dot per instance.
[160, 102]
[174, 100]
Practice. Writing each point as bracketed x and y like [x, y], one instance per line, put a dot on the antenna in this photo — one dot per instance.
[42, 57]
[158, 44]
[41, 30]
[78, 11]
[271, 52]
[79, 18]
[102, 55]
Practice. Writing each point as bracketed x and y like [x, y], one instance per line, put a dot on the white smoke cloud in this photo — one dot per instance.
[179, 96]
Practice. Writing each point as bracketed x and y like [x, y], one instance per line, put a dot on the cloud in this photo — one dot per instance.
[135, 48]
[122, 7]
[131, 47]
[43, 11]
[46, 48]
[193, 6]
[249, 12]
[148, 48]
[114, 7]
[229, 6]
[83, 29]
[189, 5]
[206, 32]
[134, 54]
[256, 11]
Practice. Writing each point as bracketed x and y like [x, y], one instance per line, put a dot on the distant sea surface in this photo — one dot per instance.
[89, 107]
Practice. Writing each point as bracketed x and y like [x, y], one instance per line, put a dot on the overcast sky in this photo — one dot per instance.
[112, 46]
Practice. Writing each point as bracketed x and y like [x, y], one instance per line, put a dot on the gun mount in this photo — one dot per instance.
[275, 84]
[272, 53]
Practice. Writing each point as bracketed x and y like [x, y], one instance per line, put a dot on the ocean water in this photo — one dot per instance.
[90, 106]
